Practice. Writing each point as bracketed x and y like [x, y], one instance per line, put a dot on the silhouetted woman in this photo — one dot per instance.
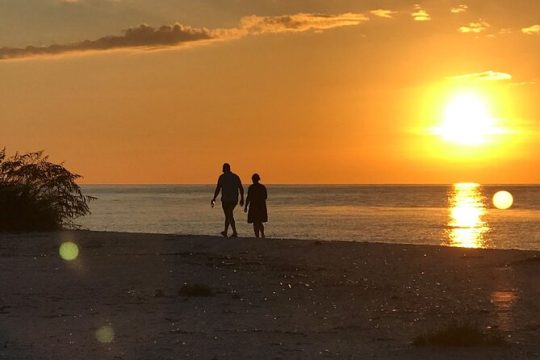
[256, 200]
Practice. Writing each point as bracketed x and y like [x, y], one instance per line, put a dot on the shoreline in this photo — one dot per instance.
[270, 298]
[109, 233]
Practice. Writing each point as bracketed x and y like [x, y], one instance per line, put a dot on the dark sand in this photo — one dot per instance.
[273, 299]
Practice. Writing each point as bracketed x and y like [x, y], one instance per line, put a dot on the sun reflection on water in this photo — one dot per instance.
[466, 227]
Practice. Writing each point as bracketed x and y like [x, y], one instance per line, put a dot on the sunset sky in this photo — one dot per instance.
[301, 91]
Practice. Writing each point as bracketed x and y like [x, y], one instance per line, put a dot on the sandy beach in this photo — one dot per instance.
[269, 299]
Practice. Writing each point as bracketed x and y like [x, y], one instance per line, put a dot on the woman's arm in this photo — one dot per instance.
[248, 199]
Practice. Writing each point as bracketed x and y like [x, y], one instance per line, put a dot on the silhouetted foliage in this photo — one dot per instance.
[37, 195]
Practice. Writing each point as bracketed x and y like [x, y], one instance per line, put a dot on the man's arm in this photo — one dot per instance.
[241, 189]
[218, 189]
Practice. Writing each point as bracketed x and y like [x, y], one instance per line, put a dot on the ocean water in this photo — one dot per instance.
[454, 215]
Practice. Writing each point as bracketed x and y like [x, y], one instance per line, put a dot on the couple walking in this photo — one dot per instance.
[230, 185]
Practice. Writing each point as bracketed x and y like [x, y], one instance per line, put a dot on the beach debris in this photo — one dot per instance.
[235, 294]
[460, 335]
[94, 244]
[533, 260]
[177, 330]
[195, 290]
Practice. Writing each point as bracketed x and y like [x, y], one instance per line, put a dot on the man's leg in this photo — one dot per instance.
[233, 223]
[228, 209]
[227, 218]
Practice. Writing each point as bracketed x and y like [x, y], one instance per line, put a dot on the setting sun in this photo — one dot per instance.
[465, 124]
[467, 120]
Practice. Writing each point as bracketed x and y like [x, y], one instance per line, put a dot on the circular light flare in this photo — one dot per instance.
[105, 334]
[68, 251]
[503, 200]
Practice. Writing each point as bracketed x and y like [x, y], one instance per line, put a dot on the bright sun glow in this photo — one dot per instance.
[467, 121]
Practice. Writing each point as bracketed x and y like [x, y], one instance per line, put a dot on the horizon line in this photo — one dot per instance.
[317, 184]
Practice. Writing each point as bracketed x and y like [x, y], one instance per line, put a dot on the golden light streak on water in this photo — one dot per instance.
[466, 227]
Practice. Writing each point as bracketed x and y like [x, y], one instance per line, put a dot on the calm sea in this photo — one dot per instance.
[456, 215]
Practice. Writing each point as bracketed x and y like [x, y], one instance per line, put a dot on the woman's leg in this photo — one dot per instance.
[256, 229]
[261, 229]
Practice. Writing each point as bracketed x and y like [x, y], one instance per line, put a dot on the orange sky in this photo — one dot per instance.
[276, 88]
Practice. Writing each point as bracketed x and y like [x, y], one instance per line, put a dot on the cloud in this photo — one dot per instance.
[71, 2]
[531, 30]
[459, 9]
[298, 22]
[420, 14]
[524, 83]
[484, 76]
[474, 27]
[144, 37]
[388, 14]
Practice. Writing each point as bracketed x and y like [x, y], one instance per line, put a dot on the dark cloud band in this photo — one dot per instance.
[146, 37]
[140, 36]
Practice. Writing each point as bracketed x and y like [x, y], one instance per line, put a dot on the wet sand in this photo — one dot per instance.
[272, 299]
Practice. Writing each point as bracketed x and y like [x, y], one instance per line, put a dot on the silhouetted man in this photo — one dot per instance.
[229, 184]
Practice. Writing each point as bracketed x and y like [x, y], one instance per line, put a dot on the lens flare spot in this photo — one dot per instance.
[69, 251]
[105, 334]
[503, 200]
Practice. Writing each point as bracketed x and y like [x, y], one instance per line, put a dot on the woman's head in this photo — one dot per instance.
[255, 178]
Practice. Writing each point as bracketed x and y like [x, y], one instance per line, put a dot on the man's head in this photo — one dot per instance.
[255, 178]
[226, 168]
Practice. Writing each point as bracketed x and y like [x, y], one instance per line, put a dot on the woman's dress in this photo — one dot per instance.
[257, 203]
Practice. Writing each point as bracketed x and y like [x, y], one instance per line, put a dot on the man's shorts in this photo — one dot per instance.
[228, 206]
